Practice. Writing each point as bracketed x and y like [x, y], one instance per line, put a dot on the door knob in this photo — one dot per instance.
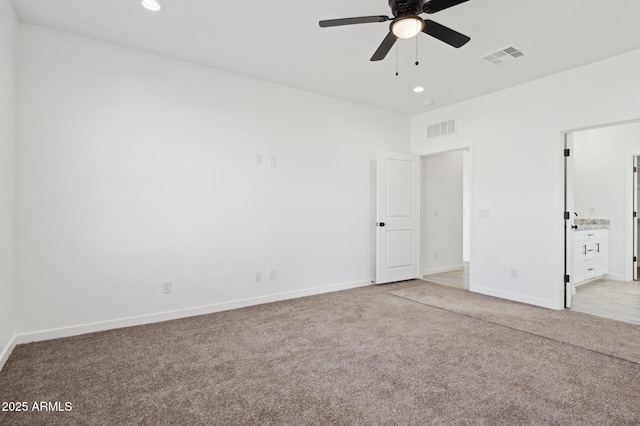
[381, 224]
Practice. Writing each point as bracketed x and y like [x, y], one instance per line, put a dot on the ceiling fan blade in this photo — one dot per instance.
[385, 47]
[351, 21]
[434, 6]
[445, 34]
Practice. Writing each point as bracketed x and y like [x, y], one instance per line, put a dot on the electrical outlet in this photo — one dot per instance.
[166, 287]
[513, 273]
[258, 277]
[272, 274]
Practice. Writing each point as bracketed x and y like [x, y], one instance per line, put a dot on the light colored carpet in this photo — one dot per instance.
[615, 338]
[357, 357]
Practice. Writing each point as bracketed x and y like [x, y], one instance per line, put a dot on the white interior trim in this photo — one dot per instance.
[545, 303]
[616, 277]
[6, 352]
[443, 269]
[178, 314]
[629, 187]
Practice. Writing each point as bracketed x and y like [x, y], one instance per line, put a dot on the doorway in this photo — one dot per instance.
[446, 218]
[601, 244]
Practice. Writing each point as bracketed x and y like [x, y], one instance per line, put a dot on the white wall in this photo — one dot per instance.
[442, 205]
[135, 169]
[602, 159]
[518, 169]
[8, 40]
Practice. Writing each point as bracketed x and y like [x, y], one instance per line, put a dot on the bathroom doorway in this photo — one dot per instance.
[603, 249]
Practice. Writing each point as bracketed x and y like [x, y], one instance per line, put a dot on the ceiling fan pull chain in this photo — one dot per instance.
[397, 60]
[417, 62]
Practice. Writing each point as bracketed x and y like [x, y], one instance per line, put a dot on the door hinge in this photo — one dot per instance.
[567, 278]
[635, 169]
[635, 214]
[567, 215]
[635, 259]
[567, 152]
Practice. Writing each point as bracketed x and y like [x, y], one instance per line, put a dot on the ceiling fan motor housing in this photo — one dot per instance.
[406, 7]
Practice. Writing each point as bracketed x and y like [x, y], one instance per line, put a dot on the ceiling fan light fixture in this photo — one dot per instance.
[407, 27]
[152, 5]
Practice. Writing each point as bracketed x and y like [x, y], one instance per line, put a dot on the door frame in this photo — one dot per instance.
[569, 211]
[437, 151]
[634, 225]
[629, 185]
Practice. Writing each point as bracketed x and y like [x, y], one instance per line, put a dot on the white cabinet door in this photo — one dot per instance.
[602, 252]
[589, 269]
[578, 262]
[579, 254]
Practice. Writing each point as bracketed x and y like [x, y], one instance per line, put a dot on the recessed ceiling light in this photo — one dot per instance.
[428, 102]
[418, 89]
[152, 5]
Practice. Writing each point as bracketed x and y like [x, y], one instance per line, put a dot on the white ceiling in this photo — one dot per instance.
[280, 41]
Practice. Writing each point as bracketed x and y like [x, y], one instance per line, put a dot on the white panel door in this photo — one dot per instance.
[398, 217]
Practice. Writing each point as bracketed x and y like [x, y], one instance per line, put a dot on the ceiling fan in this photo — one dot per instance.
[407, 24]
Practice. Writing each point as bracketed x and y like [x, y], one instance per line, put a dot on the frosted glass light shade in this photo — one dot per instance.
[152, 5]
[407, 27]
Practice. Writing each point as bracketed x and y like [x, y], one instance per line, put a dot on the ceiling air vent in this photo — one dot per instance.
[441, 129]
[504, 55]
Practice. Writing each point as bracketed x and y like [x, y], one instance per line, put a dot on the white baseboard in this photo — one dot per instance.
[6, 351]
[615, 277]
[177, 314]
[442, 269]
[611, 277]
[544, 303]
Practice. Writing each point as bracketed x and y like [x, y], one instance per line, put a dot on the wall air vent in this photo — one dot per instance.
[441, 129]
[504, 55]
